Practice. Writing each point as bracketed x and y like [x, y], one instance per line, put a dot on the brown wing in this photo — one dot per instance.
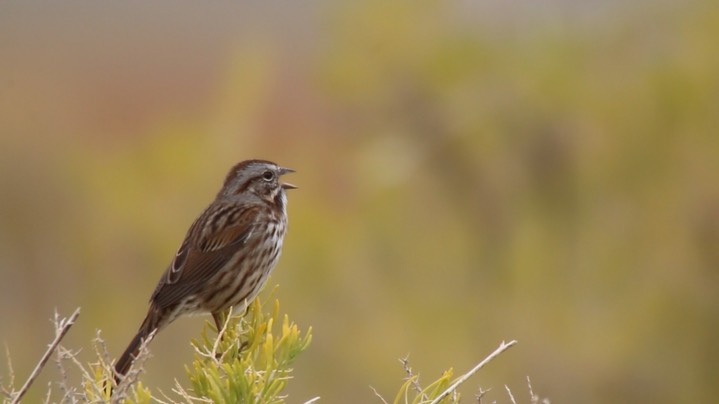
[206, 249]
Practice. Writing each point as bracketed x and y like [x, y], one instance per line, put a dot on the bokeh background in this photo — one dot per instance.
[469, 172]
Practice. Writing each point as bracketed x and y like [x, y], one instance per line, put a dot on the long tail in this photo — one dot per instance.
[123, 364]
[149, 325]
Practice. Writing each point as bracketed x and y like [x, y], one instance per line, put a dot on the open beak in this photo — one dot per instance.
[283, 171]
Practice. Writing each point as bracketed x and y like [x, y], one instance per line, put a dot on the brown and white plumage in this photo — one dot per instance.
[227, 254]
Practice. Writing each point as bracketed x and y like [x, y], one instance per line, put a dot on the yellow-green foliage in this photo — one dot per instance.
[251, 362]
[247, 361]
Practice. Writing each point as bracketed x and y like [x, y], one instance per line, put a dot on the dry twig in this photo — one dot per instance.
[503, 347]
[410, 375]
[376, 393]
[511, 397]
[481, 394]
[63, 327]
[8, 393]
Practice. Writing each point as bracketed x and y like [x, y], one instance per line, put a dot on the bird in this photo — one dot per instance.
[226, 256]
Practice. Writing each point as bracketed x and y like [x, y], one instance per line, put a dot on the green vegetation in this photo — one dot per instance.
[250, 361]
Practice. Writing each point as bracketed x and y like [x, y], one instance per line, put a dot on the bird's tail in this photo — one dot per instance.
[128, 357]
[147, 330]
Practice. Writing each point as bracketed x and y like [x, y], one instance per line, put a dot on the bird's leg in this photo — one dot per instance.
[219, 317]
[242, 347]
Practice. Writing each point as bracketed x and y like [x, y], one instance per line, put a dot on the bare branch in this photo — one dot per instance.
[410, 375]
[49, 393]
[72, 356]
[220, 333]
[11, 373]
[533, 398]
[481, 394]
[376, 393]
[65, 325]
[511, 397]
[502, 347]
[59, 356]
[101, 348]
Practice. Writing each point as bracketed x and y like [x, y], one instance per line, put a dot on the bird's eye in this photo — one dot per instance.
[268, 175]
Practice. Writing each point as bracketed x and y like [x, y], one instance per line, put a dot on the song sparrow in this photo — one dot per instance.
[227, 255]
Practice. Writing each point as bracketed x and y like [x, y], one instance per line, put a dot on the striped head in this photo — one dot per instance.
[258, 178]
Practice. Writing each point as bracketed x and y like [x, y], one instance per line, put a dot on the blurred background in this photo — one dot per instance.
[469, 172]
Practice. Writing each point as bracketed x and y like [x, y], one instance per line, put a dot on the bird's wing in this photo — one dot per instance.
[204, 252]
